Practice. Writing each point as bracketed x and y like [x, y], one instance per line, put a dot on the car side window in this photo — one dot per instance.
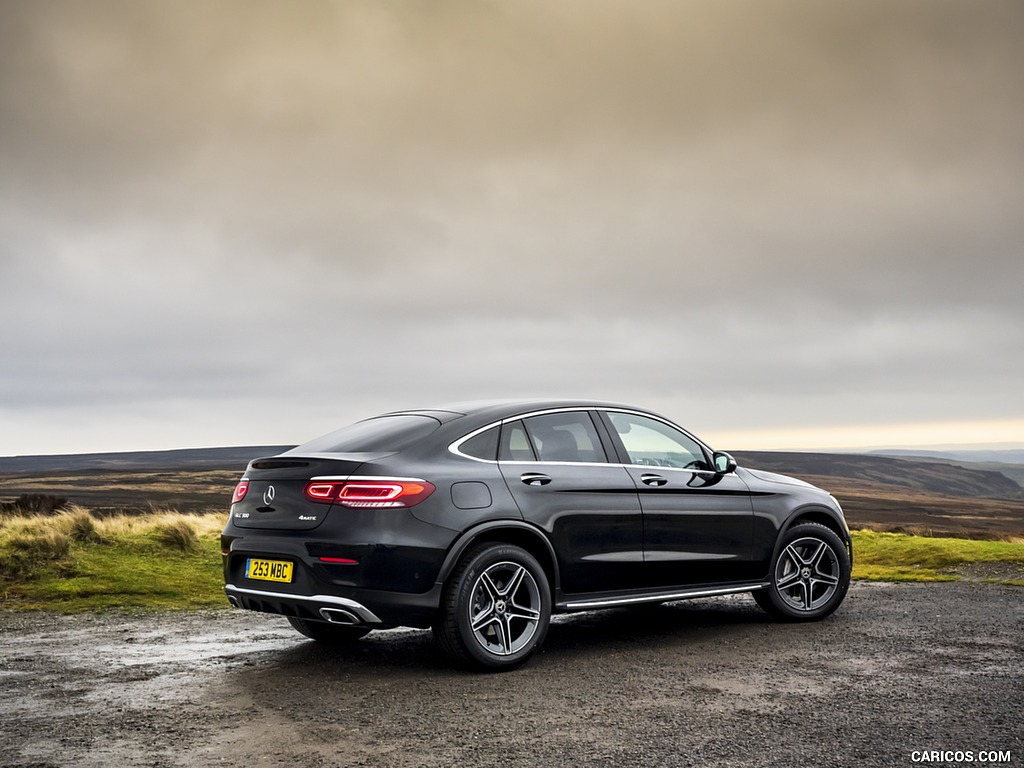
[482, 446]
[653, 443]
[569, 436]
[515, 444]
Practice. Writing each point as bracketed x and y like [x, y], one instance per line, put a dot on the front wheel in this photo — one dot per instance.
[496, 609]
[810, 575]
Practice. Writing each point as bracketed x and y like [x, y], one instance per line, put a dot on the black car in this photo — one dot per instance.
[482, 519]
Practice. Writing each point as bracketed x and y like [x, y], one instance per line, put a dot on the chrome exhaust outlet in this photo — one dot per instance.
[339, 616]
[234, 601]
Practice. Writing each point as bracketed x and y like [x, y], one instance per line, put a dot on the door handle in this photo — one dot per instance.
[655, 480]
[535, 478]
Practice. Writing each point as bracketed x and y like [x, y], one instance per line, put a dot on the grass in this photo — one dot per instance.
[72, 561]
[901, 557]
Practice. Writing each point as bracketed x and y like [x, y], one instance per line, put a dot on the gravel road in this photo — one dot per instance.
[900, 669]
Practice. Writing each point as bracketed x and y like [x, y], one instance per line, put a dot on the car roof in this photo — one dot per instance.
[504, 408]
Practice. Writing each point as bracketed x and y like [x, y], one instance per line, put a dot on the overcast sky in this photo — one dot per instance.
[783, 224]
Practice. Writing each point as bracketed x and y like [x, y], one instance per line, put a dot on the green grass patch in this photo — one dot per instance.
[68, 564]
[901, 557]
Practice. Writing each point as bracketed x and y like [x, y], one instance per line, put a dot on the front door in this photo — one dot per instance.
[698, 523]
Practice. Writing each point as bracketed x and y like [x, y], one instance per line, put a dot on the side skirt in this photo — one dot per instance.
[594, 602]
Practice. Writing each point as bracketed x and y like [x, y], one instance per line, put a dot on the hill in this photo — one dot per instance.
[922, 494]
[188, 480]
[928, 495]
[184, 458]
[933, 476]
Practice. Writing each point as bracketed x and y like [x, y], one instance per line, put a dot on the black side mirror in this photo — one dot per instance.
[724, 463]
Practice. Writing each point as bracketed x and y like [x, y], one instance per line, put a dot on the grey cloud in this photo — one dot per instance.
[775, 213]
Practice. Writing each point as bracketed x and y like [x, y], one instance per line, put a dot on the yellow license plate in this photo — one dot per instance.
[268, 570]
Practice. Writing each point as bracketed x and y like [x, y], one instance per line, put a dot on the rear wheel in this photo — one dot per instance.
[810, 575]
[496, 609]
[327, 633]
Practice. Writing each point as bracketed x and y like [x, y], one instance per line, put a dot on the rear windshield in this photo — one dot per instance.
[384, 433]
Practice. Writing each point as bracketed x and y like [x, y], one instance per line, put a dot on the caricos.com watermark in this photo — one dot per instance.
[980, 757]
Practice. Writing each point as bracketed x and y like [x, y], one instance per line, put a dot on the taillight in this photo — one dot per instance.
[370, 494]
[321, 491]
[240, 490]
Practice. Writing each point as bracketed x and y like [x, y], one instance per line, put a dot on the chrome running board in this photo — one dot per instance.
[659, 597]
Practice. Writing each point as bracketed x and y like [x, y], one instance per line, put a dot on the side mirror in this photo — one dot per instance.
[724, 463]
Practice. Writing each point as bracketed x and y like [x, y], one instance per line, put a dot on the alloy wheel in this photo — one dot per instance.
[505, 609]
[807, 574]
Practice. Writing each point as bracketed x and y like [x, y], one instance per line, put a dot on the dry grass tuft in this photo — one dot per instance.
[80, 525]
[25, 549]
[178, 534]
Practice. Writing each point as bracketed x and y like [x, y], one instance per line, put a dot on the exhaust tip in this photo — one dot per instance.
[234, 601]
[339, 616]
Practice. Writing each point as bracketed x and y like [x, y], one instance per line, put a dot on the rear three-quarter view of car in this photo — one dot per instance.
[481, 520]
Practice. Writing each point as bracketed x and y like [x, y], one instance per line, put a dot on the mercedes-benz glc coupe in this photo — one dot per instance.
[481, 520]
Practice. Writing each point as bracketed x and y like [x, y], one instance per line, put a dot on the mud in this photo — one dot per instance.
[899, 669]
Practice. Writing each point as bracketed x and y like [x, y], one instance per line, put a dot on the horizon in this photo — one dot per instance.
[980, 447]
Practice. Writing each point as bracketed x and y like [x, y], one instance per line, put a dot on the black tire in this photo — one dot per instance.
[810, 575]
[495, 609]
[327, 633]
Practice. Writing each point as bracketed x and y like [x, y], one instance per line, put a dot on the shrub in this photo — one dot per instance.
[34, 504]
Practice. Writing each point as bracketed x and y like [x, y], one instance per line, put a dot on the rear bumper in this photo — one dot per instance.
[370, 608]
[326, 606]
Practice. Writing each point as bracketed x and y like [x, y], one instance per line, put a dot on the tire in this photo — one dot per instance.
[810, 575]
[327, 633]
[495, 609]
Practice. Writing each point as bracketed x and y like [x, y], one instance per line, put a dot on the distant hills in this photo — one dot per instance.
[931, 495]
[185, 458]
[188, 480]
[974, 456]
[930, 475]
[964, 493]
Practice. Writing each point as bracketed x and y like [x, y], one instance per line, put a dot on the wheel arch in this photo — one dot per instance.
[505, 532]
[821, 516]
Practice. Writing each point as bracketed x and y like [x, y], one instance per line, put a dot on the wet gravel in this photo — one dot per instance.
[900, 668]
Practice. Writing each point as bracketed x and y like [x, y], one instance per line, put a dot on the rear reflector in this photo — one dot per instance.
[338, 560]
[366, 494]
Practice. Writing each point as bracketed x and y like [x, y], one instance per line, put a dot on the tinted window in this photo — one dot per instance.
[384, 433]
[515, 444]
[650, 442]
[565, 437]
[482, 446]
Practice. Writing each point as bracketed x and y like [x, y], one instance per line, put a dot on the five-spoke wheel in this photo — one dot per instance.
[496, 609]
[810, 574]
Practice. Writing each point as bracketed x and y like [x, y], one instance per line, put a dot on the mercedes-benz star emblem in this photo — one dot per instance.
[268, 495]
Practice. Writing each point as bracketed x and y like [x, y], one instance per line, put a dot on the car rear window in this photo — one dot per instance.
[383, 433]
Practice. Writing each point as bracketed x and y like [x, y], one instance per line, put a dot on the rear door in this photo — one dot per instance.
[697, 523]
[558, 472]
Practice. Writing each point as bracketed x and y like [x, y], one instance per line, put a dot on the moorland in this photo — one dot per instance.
[126, 530]
[928, 495]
